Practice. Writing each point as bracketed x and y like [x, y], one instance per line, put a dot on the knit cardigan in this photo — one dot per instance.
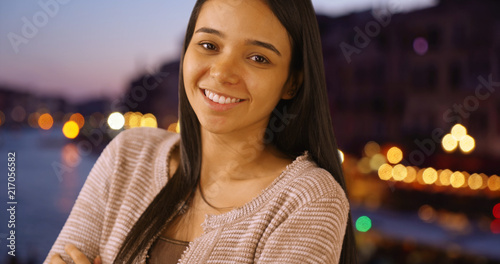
[300, 217]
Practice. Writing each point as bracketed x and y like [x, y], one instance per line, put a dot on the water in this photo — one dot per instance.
[50, 171]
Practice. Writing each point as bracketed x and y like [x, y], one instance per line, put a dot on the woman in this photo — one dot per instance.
[255, 175]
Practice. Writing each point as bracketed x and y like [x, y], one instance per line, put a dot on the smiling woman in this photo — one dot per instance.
[255, 175]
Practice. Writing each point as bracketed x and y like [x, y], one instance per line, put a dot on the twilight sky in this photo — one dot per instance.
[88, 49]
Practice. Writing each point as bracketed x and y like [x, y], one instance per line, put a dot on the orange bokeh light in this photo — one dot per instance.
[78, 118]
[45, 121]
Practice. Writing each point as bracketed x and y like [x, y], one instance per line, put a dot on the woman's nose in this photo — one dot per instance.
[225, 70]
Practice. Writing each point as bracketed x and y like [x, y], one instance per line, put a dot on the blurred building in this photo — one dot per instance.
[399, 77]
[156, 93]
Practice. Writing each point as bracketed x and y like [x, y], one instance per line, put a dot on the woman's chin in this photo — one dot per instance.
[217, 126]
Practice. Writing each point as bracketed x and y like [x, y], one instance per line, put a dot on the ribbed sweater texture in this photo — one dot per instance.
[299, 218]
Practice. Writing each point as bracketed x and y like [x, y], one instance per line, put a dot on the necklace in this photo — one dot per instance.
[209, 204]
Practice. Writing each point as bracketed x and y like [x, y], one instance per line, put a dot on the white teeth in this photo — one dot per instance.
[219, 98]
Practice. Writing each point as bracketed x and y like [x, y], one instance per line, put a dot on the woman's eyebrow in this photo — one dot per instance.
[266, 45]
[259, 43]
[210, 31]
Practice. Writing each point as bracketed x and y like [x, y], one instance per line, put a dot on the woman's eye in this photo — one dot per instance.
[208, 46]
[259, 59]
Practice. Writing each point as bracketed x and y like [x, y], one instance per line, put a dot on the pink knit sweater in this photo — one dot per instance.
[300, 218]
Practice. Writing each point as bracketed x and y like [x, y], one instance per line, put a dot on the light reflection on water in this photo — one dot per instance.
[49, 175]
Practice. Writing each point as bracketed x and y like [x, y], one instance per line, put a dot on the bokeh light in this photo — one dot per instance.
[411, 175]
[475, 181]
[399, 172]
[438, 182]
[376, 161]
[430, 176]
[394, 155]
[485, 180]
[149, 120]
[33, 119]
[173, 127]
[420, 176]
[371, 148]
[444, 177]
[341, 156]
[467, 144]
[458, 131]
[449, 143]
[127, 117]
[496, 210]
[134, 119]
[494, 183]
[116, 121]
[466, 179]
[45, 121]
[363, 165]
[71, 129]
[363, 224]
[457, 179]
[385, 172]
[420, 46]
[427, 214]
[78, 118]
[18, 113]
[70, 155]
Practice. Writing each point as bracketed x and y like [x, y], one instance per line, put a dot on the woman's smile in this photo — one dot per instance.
[220, 102]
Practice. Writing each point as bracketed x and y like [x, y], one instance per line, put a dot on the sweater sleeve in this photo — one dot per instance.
[312, 234]
[84, 225]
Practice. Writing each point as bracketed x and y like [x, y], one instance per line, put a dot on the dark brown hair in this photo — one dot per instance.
[310, 129]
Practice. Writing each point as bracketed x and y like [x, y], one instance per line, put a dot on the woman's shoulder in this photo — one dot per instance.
[138, 155]
[311, 182]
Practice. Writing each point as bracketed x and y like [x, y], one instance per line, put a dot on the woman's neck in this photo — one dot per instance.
[228, 157]
[236, 168]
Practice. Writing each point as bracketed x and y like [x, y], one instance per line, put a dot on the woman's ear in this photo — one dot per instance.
[292, 85]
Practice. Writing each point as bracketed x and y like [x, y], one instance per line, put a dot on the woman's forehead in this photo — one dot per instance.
[253, 14]
[242, 18]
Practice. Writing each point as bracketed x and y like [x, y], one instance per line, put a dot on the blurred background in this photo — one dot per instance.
[413, 92]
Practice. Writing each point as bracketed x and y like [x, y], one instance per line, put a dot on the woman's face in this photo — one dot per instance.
[236, 66]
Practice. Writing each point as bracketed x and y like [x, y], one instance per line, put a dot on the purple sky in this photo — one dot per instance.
[89, 49]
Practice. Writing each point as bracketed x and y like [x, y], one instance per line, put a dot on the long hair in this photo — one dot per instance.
[309, 129]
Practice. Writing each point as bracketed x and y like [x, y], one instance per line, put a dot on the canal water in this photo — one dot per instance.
[50, 171]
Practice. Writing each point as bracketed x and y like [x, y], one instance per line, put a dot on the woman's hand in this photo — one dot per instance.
[75, 254]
